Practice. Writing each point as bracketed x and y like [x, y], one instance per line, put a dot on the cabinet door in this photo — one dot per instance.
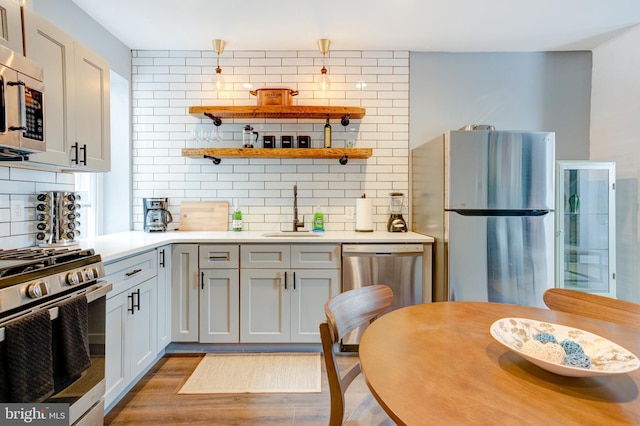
[116, 365]
[184, 293]
[92, 113]
[141, 326]
[585, 226]
[11, 26]
[53, 49]
[219, 306]
[164, 296]
[265, 310]
[310, 289]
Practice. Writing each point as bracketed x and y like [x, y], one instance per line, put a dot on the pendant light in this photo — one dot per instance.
[324, 83]
[218, 80]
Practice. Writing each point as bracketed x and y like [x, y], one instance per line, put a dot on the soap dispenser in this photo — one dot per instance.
[237, 219]
[318, 220]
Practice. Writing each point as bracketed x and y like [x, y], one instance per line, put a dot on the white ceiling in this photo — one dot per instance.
[416, 25]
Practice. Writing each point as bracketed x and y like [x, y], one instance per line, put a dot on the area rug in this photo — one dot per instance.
[256, 373]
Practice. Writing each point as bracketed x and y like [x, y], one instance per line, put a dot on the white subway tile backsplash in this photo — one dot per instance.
[16, 174]
[250, 54]
[186, 53]
[169, 61]
[18, 183]
[167, 83]
[5, 231]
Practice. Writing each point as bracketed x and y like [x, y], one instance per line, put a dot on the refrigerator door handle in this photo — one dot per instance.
[464, 212]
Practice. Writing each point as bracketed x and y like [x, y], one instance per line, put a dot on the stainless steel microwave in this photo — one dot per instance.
[21, 106]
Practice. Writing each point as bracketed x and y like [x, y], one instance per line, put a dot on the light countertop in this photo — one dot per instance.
[116, 246]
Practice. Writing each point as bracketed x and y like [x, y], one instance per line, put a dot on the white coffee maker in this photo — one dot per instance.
[156, 214]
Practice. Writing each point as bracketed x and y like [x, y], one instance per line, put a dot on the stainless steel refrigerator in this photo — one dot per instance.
[487, 197]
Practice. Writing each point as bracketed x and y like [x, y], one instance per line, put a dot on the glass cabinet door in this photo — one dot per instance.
[585, 226]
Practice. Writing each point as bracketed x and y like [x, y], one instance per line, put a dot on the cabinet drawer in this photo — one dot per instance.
[265, 256]
[130, 271]
[218, 256]
[315, 256]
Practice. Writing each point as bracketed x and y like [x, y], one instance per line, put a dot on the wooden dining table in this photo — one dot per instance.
[437, 364]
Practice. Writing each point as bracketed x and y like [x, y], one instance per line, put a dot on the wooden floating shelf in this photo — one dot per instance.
[339, 153]
[277, 111]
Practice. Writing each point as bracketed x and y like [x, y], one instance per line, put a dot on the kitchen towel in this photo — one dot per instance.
[29, 359]
[364, 215]
[71, 341]
[5, 389]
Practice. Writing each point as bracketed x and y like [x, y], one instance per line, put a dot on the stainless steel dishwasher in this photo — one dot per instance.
[397, 265]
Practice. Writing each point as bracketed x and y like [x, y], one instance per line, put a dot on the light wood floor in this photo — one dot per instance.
[155, 401]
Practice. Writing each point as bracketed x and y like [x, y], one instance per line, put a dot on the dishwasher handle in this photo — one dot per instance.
[372, 250]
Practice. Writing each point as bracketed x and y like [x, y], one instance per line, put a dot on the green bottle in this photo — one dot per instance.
[318, 220]
[237, 219]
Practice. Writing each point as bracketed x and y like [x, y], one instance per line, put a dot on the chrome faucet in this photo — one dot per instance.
[296, 222]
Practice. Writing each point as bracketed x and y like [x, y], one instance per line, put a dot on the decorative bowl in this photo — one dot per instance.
[607, 358]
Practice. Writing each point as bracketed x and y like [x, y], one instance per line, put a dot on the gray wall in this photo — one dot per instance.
[513, 91]
[614, 137]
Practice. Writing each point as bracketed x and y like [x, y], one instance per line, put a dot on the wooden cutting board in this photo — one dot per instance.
[204, 216]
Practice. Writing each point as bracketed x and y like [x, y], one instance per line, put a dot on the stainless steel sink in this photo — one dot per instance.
[287, 234]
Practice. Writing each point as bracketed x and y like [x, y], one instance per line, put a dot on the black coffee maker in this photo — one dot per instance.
[396, 222]
[156, 214]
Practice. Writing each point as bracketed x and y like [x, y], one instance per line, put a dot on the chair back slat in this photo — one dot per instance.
[351, 309]
[593, 306]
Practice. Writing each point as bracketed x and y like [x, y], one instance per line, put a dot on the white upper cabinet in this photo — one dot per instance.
[11, 25]
[77, 119]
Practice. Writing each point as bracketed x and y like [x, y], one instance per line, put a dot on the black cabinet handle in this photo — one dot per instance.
[162, 258]
[294, 280]
[75, 158]
[137, 305]
[285, 280]
[202, 279]
[84, 154]
[135, 271]
[131, 304]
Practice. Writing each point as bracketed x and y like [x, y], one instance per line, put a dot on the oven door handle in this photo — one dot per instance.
[92, 294]
[99, 292]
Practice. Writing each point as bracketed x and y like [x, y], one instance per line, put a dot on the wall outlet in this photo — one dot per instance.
[17, 210]
[349, 212]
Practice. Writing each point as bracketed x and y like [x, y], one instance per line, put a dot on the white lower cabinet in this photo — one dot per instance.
[131, 320]
[184, 293]
[219, 299]
[219, 306]
[164, 296]
[283, 289]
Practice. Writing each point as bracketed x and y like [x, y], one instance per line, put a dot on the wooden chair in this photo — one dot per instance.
[594, 306]
[345, 312]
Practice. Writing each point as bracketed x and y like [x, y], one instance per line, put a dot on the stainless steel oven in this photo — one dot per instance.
[22, 120]
[60, 294]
